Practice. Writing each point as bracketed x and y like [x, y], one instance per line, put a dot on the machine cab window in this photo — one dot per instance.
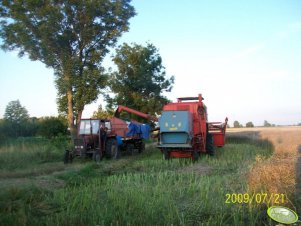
[89, 126]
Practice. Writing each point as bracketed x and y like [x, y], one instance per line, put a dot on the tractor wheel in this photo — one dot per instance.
[112, 150]
[83, 154]
[66, 157]
[130, 148]
[209, 144]
[97, 156]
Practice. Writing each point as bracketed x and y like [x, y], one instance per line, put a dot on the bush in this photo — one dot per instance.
[52, 127]
[249, 124]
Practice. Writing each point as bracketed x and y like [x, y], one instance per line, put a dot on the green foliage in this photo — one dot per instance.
[266, 124]
[15, 112]
[140, 80]
[102, 114]
[236, 124]
[249, 124]
[72, 37]
[16, 121]
[25, 153]
[52, 126]
[19, 203]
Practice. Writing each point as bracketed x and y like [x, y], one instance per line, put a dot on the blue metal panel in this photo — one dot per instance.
[139, 130]
[175, 127]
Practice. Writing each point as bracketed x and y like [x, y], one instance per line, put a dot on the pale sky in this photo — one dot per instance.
[243, 56]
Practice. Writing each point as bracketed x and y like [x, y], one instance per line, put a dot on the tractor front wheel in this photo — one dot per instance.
[68, 157]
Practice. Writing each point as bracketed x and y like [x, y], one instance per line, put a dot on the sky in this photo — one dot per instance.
[244, 57]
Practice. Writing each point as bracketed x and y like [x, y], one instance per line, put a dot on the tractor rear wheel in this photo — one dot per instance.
[209, 144]
[112, 150]
[97, 156]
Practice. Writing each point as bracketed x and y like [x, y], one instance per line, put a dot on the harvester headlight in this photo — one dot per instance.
[166, 124]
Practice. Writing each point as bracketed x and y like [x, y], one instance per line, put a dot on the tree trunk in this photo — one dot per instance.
[79, 116]
[70, 115]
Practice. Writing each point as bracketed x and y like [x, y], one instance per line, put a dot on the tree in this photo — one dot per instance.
[72, 37]
[52, 126]
[249, 124]
[102, 114]
[236, 124]
[140, 79]
[15, 116]
[266, 124]
[15, 112]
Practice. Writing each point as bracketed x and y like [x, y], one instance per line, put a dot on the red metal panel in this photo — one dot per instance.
[180, 154]
[219, 139]
[119, 127]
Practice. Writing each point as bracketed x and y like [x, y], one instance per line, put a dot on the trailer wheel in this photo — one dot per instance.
[130, 148]
[112, 150]
[209, 144]
[142, 147]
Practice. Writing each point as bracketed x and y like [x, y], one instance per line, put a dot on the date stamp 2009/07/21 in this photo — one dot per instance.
[256, 198]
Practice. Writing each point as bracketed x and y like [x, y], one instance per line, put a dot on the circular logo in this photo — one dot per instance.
[282, 214]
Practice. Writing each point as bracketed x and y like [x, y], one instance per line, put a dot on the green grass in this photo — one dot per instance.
[143, 190]
[25, 153]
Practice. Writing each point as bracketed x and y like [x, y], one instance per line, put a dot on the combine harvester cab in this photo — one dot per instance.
[185, 132]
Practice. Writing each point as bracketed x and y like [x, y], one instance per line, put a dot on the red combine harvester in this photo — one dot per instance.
[185, 132]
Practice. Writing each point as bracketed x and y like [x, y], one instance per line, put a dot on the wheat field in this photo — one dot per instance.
[280, 173]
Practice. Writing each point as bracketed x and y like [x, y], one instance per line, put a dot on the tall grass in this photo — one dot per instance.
[146, 190]
[24, 152]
